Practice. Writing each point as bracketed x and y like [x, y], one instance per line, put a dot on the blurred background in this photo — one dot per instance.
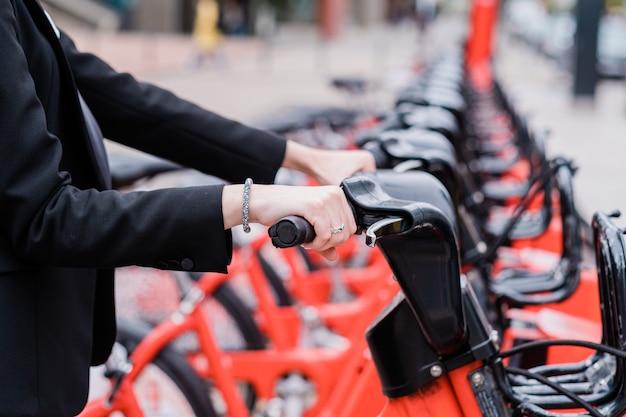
[237, 17]
[548, 27]
[562, 60]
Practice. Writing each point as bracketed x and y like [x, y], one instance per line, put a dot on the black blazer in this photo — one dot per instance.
[61, 233]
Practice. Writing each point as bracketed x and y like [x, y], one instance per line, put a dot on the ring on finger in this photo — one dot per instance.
[338, 229]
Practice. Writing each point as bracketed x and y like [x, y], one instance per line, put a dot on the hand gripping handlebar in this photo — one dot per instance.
[419, 242]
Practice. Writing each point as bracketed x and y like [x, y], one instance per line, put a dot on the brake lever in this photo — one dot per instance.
[387, 226]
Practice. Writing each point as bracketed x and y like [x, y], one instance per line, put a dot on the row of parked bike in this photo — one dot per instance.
[473, 287]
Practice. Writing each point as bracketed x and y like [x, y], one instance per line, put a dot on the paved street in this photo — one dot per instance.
[261, 77]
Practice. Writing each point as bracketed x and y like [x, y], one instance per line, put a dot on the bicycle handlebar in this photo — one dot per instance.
[414, 228]
[291, 231]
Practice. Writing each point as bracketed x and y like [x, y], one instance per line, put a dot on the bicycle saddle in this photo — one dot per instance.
[497, 163]
[418, 149]
[351, 85]
[303, 117]
[447, 99]
[388, 120]
[431, 118]
[417, 144]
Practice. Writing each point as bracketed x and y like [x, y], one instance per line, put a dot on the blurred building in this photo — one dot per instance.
[238, 17]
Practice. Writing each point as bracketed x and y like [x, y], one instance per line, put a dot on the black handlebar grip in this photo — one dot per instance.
[291, 231]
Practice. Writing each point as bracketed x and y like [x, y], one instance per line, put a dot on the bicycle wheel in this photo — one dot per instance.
[235, 329]
[167, 387]
[151, 296]
[248, 330]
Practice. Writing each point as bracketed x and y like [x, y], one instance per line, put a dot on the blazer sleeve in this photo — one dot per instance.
[45, 220]
[156, 121]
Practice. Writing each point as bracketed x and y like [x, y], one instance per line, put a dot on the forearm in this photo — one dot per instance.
[328, 167]
[154, 120]
[160, 228]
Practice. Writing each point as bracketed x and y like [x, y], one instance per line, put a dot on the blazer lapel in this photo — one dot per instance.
[91, 129]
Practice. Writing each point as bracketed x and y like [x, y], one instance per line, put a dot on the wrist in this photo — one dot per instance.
[300, 158]
[232, 205]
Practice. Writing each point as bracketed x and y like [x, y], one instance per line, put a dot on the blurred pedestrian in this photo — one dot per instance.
[234, 18]
[206, 34]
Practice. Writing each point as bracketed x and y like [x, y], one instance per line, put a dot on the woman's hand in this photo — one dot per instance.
[325, 207]
[327, 167]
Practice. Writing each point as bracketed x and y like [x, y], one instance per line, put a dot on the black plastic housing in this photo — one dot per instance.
[403, 356]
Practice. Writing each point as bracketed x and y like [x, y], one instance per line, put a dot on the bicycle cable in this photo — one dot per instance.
[509, 391]
[558, 388]
[538, 184]
[563, 342]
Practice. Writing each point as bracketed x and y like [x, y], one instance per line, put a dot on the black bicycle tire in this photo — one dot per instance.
[173, 365]
[281, 293]
[241, 314]
[239, 311]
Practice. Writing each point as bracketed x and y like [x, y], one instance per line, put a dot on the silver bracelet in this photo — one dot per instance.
[246, 202]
